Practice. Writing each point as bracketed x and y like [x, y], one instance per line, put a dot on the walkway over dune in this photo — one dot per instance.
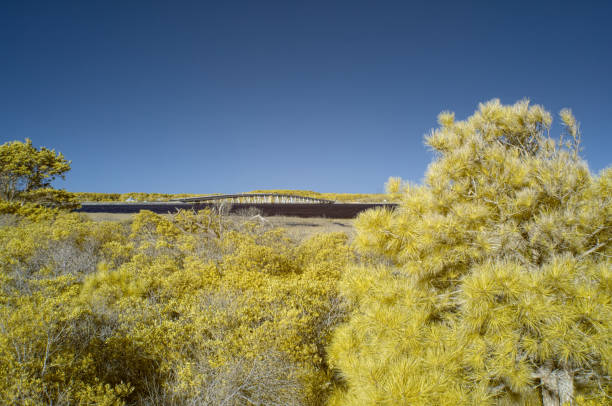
[254, 198]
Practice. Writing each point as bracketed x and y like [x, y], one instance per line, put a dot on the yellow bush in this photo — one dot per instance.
[187, 309]
[491, 283]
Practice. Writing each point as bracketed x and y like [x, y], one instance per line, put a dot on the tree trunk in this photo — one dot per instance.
[557, 386]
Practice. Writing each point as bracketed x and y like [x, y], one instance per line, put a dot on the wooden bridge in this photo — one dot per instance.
[254, 198]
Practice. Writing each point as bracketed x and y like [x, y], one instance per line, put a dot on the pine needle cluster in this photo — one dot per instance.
[492, 283]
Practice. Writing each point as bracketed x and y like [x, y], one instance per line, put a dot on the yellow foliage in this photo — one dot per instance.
[121, 197]
[26, 172]
[187, 309]
[490, 284]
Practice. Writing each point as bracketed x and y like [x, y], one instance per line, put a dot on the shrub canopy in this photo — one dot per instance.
[493, 283]
[23, 168]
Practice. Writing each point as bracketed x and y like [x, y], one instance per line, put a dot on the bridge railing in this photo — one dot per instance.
[254, 198]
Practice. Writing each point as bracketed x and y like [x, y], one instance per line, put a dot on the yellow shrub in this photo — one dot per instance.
[174, 310]
[491, 283]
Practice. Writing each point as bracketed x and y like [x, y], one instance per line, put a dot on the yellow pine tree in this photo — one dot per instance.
[492, 282]
[26, 174]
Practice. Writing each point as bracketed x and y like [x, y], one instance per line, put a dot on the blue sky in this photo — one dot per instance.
[231, 96]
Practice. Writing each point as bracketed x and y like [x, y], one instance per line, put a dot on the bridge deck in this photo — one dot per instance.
[338, 210]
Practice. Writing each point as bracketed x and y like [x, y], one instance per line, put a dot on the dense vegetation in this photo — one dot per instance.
[495, 278]
[491, 284]
[181, 310]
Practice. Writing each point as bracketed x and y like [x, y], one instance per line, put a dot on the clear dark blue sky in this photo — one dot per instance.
[229, 96]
